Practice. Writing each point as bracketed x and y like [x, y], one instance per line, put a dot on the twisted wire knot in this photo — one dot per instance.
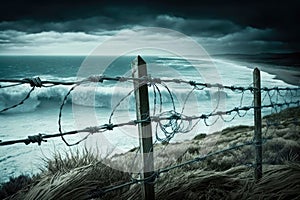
[35, 139]
[109, 126]
[34, 82]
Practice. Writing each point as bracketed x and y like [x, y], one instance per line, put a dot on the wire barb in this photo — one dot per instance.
[35, 139]
[34, 82]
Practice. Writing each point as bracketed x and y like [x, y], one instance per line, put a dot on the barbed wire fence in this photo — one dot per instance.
[170, 122]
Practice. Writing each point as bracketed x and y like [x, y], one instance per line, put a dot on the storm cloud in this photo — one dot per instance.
[219, 26]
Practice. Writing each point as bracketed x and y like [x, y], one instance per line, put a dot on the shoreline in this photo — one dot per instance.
[287, 74]
[283, 67]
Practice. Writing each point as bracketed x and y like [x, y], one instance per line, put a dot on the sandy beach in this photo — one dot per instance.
[285, 67]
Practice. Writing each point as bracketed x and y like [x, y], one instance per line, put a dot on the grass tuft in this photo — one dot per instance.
[14, 185]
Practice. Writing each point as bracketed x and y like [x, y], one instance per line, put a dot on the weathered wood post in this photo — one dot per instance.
[139, 70]
[257, 125]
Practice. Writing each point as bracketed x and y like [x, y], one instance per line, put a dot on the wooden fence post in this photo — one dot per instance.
[139, 70]
[257, 125]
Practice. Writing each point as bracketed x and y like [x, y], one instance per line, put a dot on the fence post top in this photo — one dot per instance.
[139, 60]
[256, 70]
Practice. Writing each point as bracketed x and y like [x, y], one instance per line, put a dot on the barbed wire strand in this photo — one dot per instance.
[12, 85]
[20, 103]
[39, 83]
[91, 130]
[33, 139]
[60, 117]
[101, 78]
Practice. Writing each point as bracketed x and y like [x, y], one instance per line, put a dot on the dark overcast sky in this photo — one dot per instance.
[38, 27]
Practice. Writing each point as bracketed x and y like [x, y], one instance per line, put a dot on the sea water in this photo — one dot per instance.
[92, 104]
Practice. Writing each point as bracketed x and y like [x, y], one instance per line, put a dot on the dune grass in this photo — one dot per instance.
[73, 175]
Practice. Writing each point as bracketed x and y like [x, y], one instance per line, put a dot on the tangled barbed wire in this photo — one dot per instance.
[168, 123]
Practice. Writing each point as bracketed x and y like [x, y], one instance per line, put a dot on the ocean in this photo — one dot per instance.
[92, 104]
